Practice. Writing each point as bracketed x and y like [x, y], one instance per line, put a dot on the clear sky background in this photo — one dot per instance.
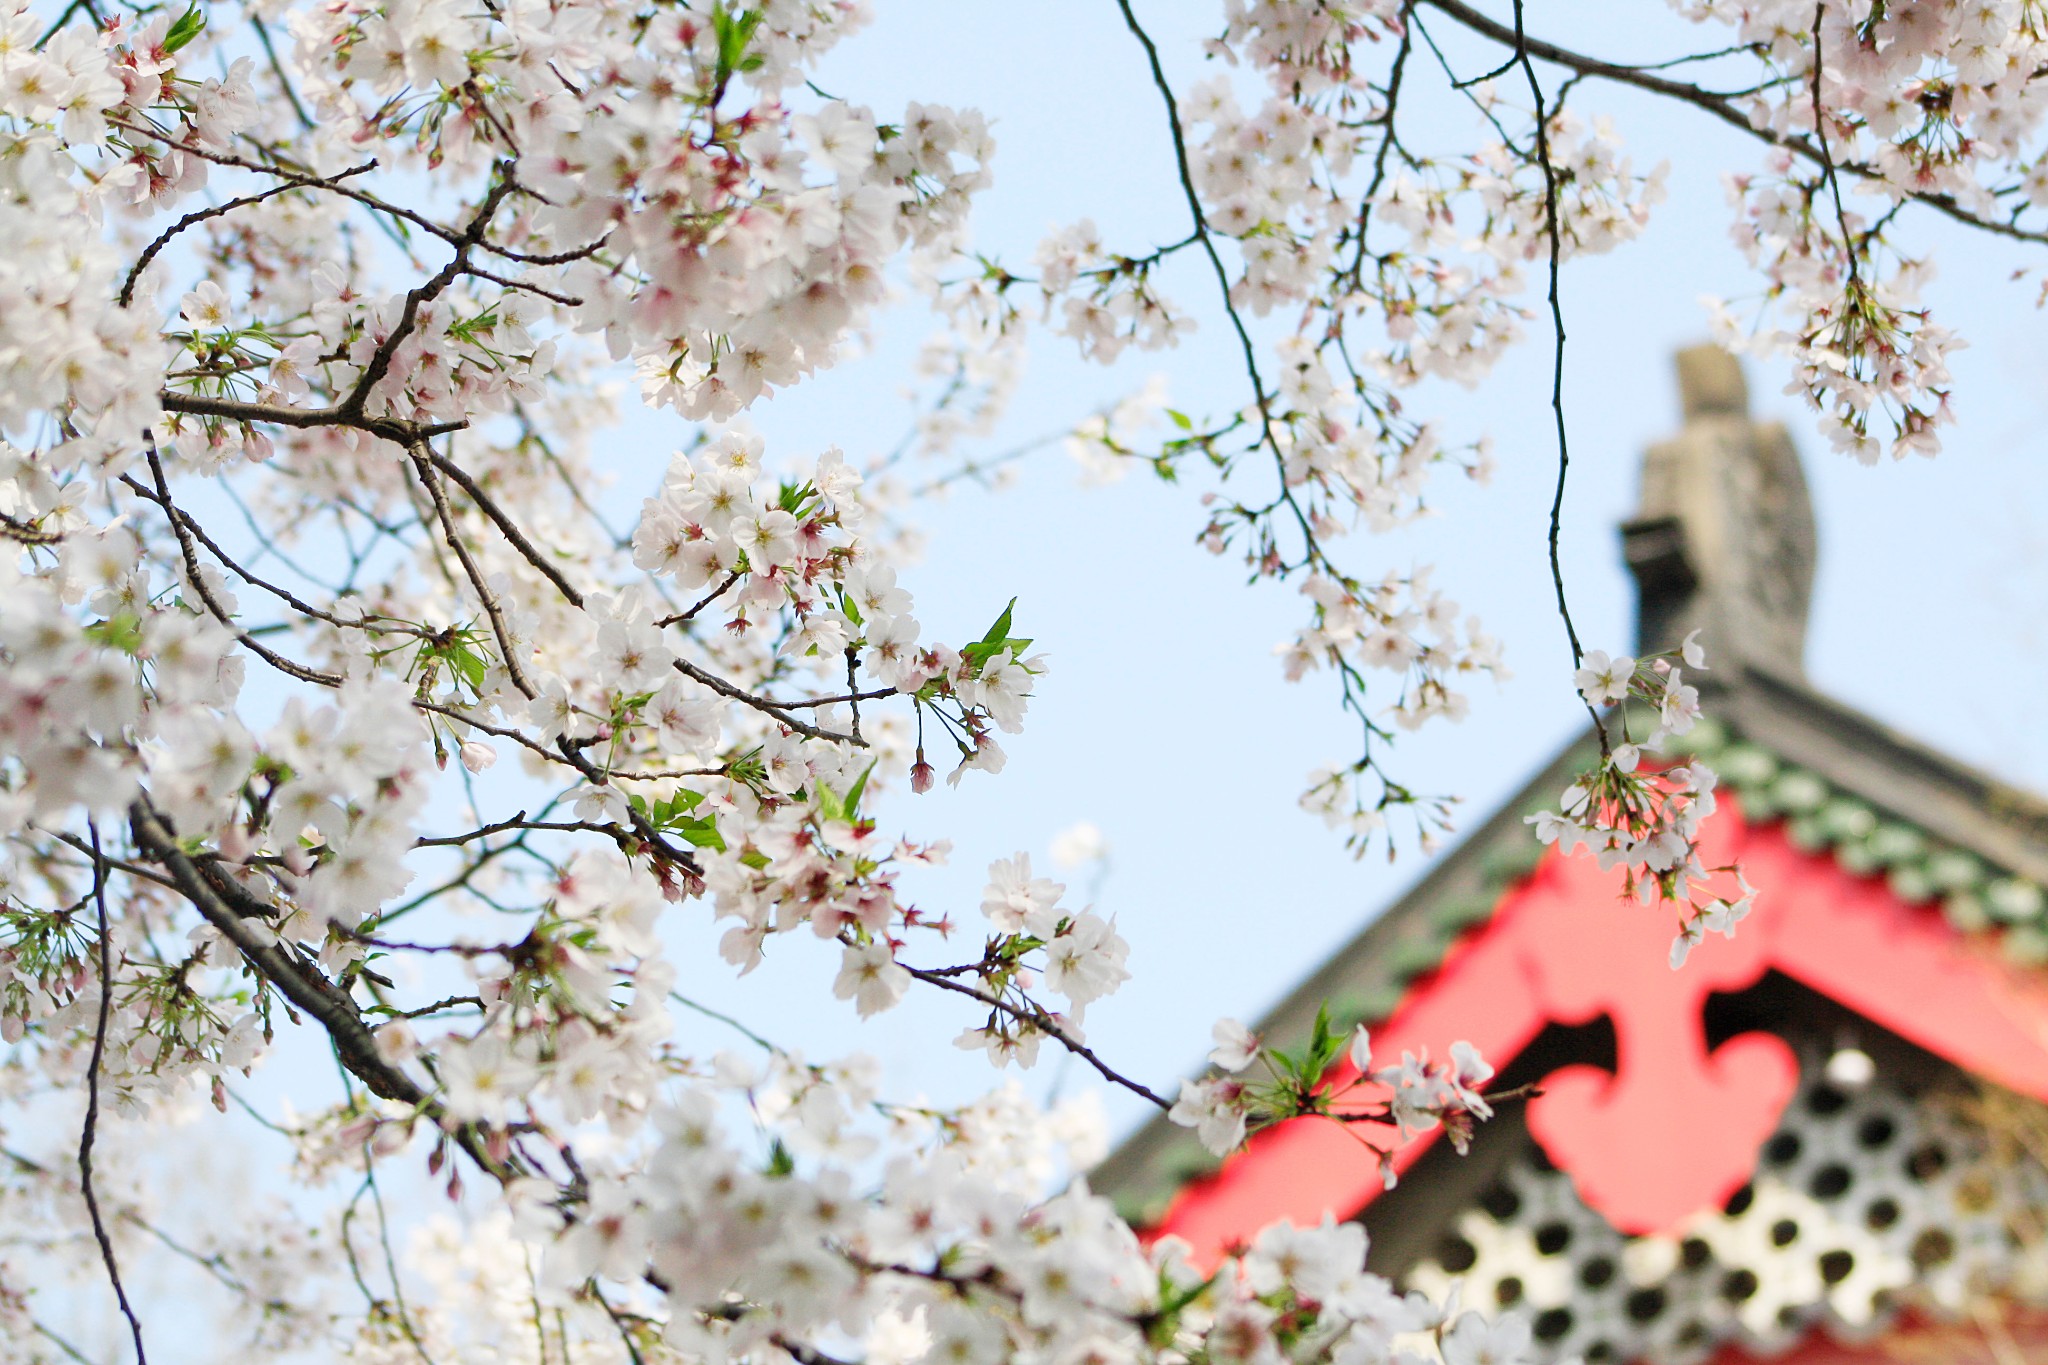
[1165, 720]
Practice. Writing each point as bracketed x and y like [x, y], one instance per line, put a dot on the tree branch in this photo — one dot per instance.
[1714, 103]
[92, 1095]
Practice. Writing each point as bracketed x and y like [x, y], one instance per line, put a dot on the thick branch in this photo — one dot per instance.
[233, 410]
[240, 917]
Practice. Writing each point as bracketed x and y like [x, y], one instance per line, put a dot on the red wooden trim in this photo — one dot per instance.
[1675, 1129]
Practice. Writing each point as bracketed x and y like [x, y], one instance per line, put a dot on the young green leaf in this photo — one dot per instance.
[189, 26]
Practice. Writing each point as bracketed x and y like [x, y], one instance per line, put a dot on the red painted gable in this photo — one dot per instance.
[1675, 1128]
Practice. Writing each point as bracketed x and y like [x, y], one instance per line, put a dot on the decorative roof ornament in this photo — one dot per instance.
[1723, 541]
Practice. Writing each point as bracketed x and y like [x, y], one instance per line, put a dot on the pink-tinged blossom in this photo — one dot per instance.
[1016, 902]
[870, 976]
[1236, 1046]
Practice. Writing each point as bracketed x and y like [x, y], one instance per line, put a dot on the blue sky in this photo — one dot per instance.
[1165, 720]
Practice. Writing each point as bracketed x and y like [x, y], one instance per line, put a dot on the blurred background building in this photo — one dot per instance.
[1822, 1140]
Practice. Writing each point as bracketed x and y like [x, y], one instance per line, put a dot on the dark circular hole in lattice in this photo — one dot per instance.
[1646, 1305]
[1881, 1214]
[1782, 1149]
[1455, 1254]
[1508, 1292]
[1739, 1285]
[1600, 1352]
[1830, 1181]
[1927, 1161]
[1552, 1238]
[1932, 1248]
[1825, 1100]
[1553, 1323]
[1876, 1130]
[1694, 1333]
[1836, 1265]
[1500, 1200]
[1784, 1232]
[1739, 1202]
[1693, 1253]
[1596, 1272]
[1790, 1316]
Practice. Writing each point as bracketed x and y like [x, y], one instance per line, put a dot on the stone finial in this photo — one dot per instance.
[1723, 540]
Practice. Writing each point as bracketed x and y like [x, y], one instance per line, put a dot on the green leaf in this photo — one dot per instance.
[122, 631]
[189, 26]
[996, 640]
[469, 664]
[1324, 1045]
[677, 805]
[734, 32]
[830, 804]
[702, 832]
[859, 786]
[1180, 419]
[1001, 629]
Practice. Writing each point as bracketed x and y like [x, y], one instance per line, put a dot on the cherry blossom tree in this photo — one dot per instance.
[315, 634]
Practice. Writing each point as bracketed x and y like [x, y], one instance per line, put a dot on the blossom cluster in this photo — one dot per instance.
[1332, 1077]
[1874, 105]
[1642, 815]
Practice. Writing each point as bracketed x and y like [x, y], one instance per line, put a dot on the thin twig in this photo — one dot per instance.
[1717, 104]
[163, 239]
[1827, 159]
[507, 642]
[706, 600]
[218, 609]
[191, 524]
[504, 522]
[92, 1093]
[1564, 450]
[1040, 1020]
[763, 705]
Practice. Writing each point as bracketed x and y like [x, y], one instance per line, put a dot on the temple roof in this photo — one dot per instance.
[1882, 805]
[1724, 541]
